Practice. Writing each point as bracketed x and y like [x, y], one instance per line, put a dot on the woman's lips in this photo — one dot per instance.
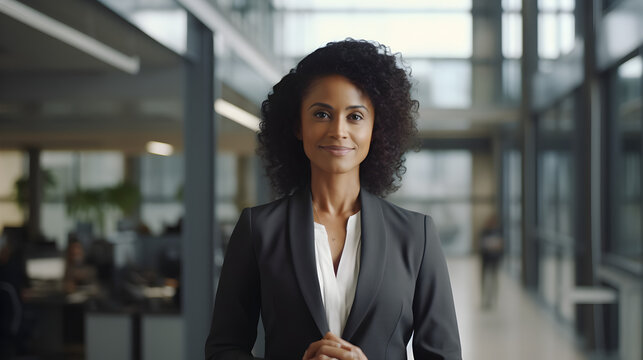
[337, 150]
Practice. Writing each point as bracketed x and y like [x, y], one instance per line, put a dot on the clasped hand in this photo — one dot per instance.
[332, 346]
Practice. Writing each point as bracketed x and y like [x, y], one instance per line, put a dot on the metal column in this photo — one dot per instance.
[199, 222]
[587, 115]
[529, 65]
[35, 191]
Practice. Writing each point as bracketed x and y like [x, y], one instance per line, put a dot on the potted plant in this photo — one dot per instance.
[21, 188]
[91, 205]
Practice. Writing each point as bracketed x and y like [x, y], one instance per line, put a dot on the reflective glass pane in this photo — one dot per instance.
[567, 32]
[373, 4]
[511, 81]
[512, 222]
[565, 194]
[567, 5]
[304, 32]
[450, 84]
[547, 5]
[566, 121]
[421, 75]
[556, 173]
[511, 5]
[547, 189]
[512, 35]
[162, 176]
[548, 36]
[547, 123]
[441, 83]
[625, 159]
[60, 166]
[564, 142]
[100, 169]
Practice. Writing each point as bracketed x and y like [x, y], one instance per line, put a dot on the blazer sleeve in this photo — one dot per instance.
[236, 308]
[434, 321]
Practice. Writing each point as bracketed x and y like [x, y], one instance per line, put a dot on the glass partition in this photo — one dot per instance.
[555, 206]
[624, 195]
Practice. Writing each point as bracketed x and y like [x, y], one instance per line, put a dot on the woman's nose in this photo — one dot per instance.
[338, 128]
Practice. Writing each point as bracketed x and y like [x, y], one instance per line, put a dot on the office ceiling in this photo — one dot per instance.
[54, 96]
[24, 48]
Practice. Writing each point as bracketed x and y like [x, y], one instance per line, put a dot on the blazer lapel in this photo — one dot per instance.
[372, 262]
[302, 244]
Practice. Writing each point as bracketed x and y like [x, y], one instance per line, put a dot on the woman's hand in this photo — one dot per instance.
[333, 347]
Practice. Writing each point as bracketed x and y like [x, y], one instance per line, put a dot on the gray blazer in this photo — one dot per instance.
[403, 285]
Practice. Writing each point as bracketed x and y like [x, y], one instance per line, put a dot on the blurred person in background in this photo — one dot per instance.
[491, 250]
[13, 268]
[14, 283]
[336, 271]
[79, 275]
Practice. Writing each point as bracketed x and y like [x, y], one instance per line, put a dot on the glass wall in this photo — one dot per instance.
[555, 28]
[588, 173]
[555, 206]
[624, 245]
[69, 174]
[511, 50]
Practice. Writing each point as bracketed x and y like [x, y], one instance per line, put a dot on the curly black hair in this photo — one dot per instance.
[373, 69]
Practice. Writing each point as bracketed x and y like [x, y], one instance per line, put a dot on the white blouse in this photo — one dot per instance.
[338, 292]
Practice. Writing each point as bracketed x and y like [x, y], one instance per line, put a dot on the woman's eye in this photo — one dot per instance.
[322, 115]
[355, 117]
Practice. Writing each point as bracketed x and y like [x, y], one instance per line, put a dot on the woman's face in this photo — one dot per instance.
[336, 125]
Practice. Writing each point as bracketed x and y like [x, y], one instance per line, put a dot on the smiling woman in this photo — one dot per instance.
[335, 271]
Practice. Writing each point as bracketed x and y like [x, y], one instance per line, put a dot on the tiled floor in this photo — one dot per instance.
[516, 328]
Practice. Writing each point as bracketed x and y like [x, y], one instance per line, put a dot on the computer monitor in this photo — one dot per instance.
[52, 268]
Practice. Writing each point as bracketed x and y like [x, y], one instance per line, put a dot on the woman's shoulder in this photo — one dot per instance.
[396, 212]
[268, 222]
[407, 229]
[268, 211]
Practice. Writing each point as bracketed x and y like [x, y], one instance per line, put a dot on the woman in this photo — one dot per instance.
[335, 271]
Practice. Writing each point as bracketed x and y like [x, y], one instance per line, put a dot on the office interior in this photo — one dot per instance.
[127, 151]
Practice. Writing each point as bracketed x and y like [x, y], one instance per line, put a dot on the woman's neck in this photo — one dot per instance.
[336, 194]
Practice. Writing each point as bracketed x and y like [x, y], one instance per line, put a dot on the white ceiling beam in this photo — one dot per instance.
[70, 36]
[237, 114]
